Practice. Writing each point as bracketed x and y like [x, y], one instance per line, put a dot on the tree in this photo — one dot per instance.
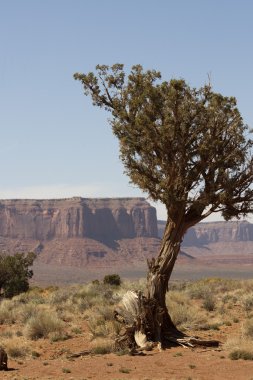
[112, 279]
[185, 147]
[15, 273]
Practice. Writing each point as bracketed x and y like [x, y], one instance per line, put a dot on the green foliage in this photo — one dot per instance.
[112, 279]
[184, 146]
[15, 273]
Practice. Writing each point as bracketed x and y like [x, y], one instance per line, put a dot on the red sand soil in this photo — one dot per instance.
[174, 363]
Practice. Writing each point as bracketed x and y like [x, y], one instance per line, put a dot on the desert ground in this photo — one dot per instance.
[44, 329]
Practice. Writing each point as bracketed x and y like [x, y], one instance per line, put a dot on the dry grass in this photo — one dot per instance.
[102, 346]
[247, 329]
[57, 313]
[16, 347]
[42, 324]
[7, 315]
[184, 314]
[239, 348]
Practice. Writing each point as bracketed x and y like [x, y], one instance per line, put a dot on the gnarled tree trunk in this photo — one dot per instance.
[151, 321]
[159, 273]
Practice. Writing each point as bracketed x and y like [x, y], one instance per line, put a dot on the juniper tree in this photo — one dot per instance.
[15, 273]
[186, 147]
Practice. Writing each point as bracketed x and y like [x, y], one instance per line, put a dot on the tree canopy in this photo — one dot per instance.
[186, 147]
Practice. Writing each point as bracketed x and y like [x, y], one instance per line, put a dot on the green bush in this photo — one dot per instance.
[112, 279]
[15, 273]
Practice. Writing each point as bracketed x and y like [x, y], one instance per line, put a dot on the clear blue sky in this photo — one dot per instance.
[53, 142]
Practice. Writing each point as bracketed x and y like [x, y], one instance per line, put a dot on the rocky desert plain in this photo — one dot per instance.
[63, 328]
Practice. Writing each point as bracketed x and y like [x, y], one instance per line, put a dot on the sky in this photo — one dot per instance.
[54, 143]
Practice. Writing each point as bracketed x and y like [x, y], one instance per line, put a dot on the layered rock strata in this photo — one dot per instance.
[99, 219]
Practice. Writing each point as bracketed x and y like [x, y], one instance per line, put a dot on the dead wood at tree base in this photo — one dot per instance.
[79, 354]
[147, 325]
[192, 342]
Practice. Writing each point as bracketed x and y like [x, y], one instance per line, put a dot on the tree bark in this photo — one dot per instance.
[152, 322]
[159, 273]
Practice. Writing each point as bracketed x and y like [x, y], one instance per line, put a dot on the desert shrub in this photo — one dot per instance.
[239, 348]
[29, 297]
[102, 346]
[124, 370]
[105, 311]
[136, 285]
[16, 348]
[247, 302]
[59, 337]
[59, 297]
[76, 330]
[116, 327]
[6, 334]
[181, 312]
[35, 354]
[82, 301]
[198, 290]
[27, 311]
[248, 328]
[229, 298]
[209, 326]
[7, 314]
[42, 324]
[240, 354]
[209, 302]
[177, 285]
[247, 286]
[178, 297]
[98, 327]
[66, 370]
[112, 279]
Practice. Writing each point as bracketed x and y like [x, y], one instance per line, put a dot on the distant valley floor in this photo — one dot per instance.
[73, 260]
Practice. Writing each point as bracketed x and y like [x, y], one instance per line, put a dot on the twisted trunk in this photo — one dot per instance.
[152, 322]
[159, 273]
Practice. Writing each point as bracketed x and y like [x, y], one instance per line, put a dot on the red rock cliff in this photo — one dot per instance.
[99, 219]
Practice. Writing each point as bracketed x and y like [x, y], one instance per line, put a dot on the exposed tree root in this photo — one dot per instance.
[79, 354]
[147, 325]
[191, 341]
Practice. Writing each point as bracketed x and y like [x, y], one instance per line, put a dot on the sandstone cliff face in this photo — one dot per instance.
[99, 219]
[206, 233]
[215, 232]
